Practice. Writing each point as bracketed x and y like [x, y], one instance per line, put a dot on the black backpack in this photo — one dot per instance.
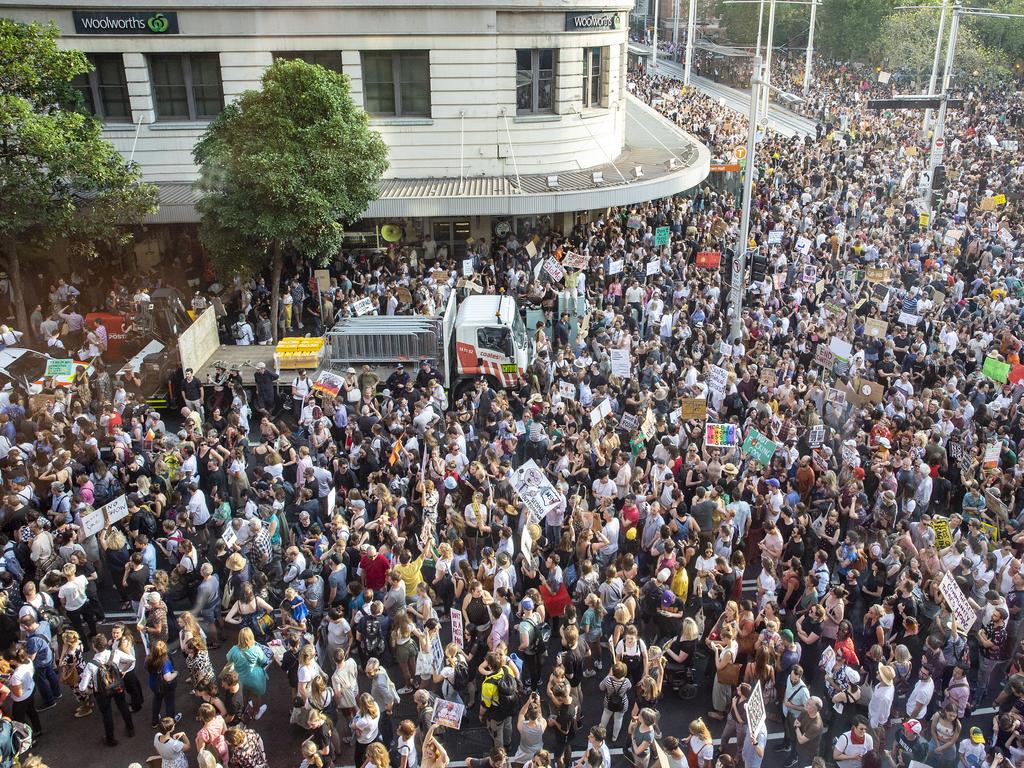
[109, 679]
[373, 637]
[508, 687]
[541, 637]
[650, 599]
[460, 676]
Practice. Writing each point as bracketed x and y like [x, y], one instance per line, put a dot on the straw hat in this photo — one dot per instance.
[730, 469]
[236, 562]
[886, 674]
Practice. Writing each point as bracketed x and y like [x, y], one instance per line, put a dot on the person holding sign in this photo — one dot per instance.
[995, 646]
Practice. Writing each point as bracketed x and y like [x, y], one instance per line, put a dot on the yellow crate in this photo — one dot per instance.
[300, 344]
[293, 360]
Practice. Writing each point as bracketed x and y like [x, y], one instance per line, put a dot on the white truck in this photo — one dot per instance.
[483, 336]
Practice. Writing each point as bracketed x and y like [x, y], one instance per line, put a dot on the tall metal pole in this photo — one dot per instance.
[738, 277]
[935, 69]
[675, 23]
[935, 157]
[760, 21]
[691, 31]
[654, 60]
[766, 93]
[810, 48]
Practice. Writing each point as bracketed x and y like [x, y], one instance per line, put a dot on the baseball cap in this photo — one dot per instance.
[912, 726]
[977, 736]
[526, 604]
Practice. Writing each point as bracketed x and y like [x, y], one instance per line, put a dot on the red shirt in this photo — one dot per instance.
[375, 571]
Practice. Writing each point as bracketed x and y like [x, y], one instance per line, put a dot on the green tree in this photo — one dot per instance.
[58, 177]
[284, 168]
[906, 42]
[846, 29]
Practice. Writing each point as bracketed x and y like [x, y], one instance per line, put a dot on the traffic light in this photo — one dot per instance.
[758, 266]
[727, 257]
[939, 177]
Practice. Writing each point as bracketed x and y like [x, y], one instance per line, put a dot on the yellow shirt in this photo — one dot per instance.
[411, 575]
[681, 584]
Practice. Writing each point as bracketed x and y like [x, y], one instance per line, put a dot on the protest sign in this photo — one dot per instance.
[908, 318]
[816, 436]
[439, 275]
[956, 450]
[991, 458]
[574, 261]
[803, 245]
[600, 411]
[718, 379]
[436, 653]
[989, 530]
[534, 489]
[877, 275]
[93, 523]
[621, 365]
[996, 505]
[653, 267]
[693, 408]
[757, 717]
[957, 602]
[726, 349]
[554, 269]
[774, 236]
[767, 377]
[649, 426]
[709, 259]
[362, 307]
[721, 435]
[323, 279]
[458, 633]
[567, 390]
[875, 328]
[835, 396]
[467, 267]
[115, 510]
[629, 422]
[59, 367]
[940, 526]
[661, 236]
[759, 447]
[448, 714]
[531, 249]
[675, 416]
[328, 383]
[996, 370]
[825, 357]
[810, 273]
[614, 267]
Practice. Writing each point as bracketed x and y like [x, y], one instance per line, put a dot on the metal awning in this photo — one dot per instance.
[672, 162]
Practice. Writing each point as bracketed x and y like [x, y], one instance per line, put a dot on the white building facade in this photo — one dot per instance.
[493, 110]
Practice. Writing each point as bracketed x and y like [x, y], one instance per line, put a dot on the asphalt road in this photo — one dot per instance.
[83, 738]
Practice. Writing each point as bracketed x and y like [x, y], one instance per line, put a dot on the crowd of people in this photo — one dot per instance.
[774, 517]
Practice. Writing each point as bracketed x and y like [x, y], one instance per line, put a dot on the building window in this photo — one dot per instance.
[397, 83]
[326, 59]
[186, 86]
[104, 89]
[535, 81]
[593, 77]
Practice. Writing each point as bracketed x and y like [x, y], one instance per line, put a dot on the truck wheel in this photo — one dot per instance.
[463, 386]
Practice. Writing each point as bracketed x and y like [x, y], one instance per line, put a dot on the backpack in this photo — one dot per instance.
[650, 599]
[373, 638]
[460, 677]
[108, 679]
[616, 700]
[236, 331]
[541, 637]
[146, 523]
[507, 689]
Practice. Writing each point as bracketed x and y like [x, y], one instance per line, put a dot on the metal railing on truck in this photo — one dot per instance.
[386, 340]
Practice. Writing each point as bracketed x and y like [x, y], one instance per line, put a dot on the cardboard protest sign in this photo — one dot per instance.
[996, 370]
[875, 328]
[693, 408]
[574, 261]
[940, 526]
[998, 508]
[877, 275]
[629, 422]
[115, 510]
[718, 378]
[533, 488]
[649, 426]
[448, 714]
[328, 383]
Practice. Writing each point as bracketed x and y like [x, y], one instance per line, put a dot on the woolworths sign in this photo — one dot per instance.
[126, 22]
[584, 21]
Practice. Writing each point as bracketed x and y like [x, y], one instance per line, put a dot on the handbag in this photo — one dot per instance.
[730, 674]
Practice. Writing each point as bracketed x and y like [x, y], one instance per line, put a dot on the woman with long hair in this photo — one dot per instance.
[365, 726]
[700, 747]
[163, 681]
[169, 745]
[345, 683]
[642, 731]
[250, 664]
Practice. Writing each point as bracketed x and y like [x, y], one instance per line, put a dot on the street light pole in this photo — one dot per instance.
[739, 264]
[810, 48]
[654, 60]
[760, 21]
[767, 79]
[675, 23]
[691, 30]
[935, 69]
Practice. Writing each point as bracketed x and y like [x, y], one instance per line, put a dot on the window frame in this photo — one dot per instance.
[310, 56]
[535, 82]
[189, 84]
[97, 88]
[589, 77]
[396, 82]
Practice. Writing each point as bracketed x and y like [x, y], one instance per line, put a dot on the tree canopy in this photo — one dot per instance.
[285, 168]
[58, 177]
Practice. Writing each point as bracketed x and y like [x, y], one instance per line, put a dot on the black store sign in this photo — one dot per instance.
[126, 22]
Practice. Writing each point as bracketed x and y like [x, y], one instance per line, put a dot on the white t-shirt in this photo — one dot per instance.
[72, 594]
[407, 747]
[23, 676]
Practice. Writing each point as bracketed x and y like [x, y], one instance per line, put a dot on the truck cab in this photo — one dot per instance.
[491, 340]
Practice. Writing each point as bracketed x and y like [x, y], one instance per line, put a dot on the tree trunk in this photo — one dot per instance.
[275, 289]
[17, 294]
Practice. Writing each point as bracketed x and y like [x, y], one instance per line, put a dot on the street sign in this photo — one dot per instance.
[914, 102]
[938, 147]
[739, 153]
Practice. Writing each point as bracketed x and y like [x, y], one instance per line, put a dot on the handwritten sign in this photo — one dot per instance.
[614, 267]
[759, 447]
[115, 510]
[877, 275]
[467, 268]
[718, 378]
[943, 538]
[825, 357]
[554, 269]
[875, 328]
[574, 261]
[362, 307]
[957, 602]
[458, 633]
[621, 365]
[653, 267]
[649, 425]
[816, 436]
[721, 435]
[93, 523]
[59, 367]
[533, 488]
[567, 390]
[693, 408]
[995, 369]
[629, 423]
[709, 259]
[661, 236]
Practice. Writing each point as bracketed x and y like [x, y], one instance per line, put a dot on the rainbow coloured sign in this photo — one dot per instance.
[721, 435]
